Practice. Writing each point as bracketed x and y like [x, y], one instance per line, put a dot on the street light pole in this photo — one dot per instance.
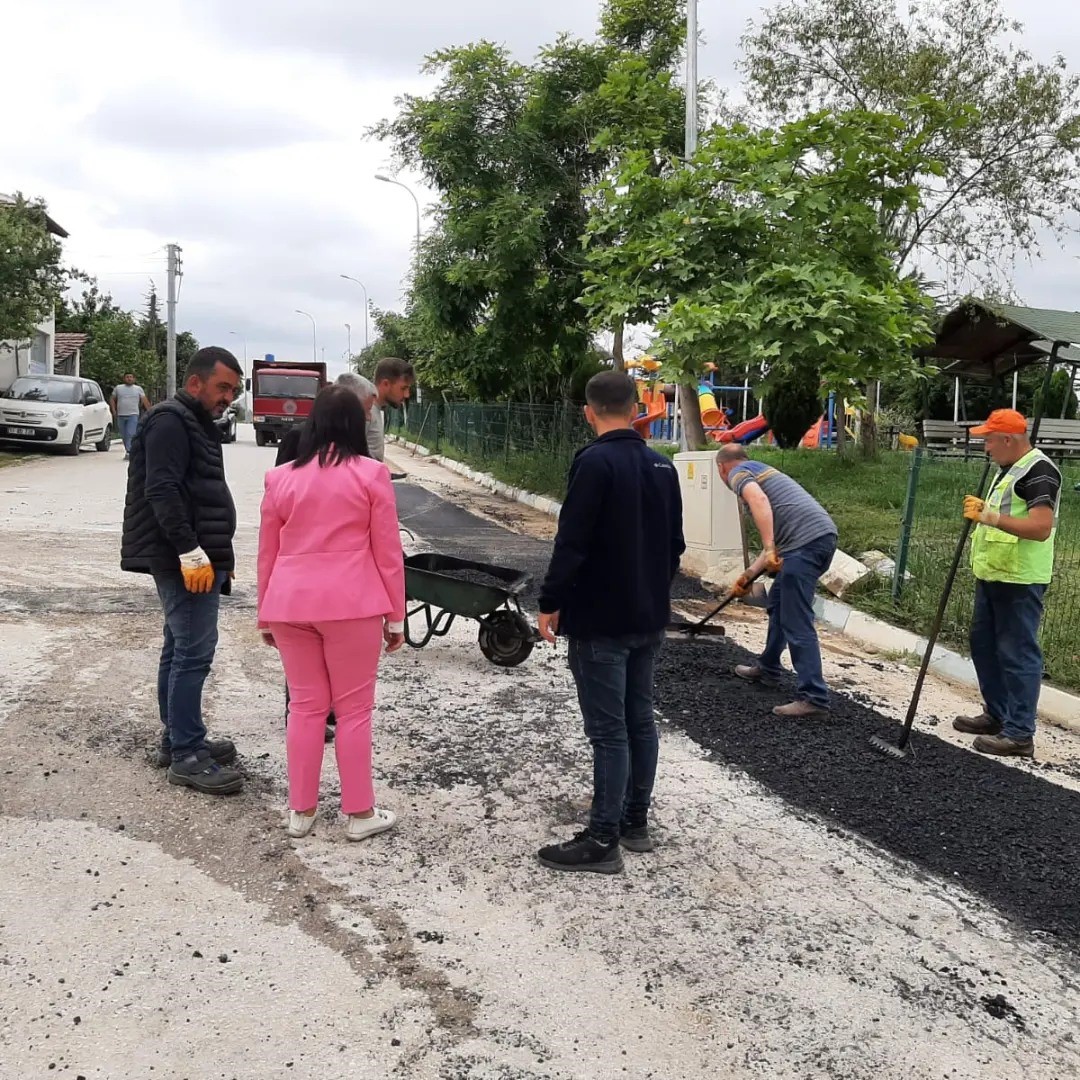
[244, 340]
[314, 335]
[367, 304]
[390, 180]
[348, 332]
[691, 79]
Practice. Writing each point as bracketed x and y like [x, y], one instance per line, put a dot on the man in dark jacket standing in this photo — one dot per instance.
[179, 521]
[608, 589]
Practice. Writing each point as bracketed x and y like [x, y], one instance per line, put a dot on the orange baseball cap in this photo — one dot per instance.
[1003, 422]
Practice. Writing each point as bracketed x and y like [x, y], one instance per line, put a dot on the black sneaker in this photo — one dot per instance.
[201, 772]
[636, 838]
[221, 750]
[583, 854]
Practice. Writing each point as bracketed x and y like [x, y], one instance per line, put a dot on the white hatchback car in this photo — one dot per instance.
[55, 410]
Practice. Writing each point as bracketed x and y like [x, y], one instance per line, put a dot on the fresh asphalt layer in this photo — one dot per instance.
[1008, 836]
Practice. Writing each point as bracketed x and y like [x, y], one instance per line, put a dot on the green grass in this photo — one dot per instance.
[866, 500]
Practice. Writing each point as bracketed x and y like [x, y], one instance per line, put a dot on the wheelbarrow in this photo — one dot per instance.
[505, 636]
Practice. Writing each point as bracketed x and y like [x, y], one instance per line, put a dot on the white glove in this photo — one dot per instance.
[193, 560]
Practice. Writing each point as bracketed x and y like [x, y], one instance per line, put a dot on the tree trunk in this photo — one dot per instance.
[690, 408]
[868, 424]
[617, 346]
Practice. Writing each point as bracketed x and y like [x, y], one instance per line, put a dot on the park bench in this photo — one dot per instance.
[1057, 438]
[948, 437]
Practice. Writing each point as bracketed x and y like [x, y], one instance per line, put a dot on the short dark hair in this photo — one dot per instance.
[611, 393]
[336, 430]
[393, 368]
[205, 360]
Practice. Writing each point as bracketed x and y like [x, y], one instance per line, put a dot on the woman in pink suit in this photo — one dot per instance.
[331, 592]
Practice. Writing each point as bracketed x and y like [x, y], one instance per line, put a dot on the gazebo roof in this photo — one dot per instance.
[981, 340]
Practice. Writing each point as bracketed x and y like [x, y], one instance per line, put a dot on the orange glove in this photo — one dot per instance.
[773, 562]
[198, 571]
[977, 510]
[741, 588]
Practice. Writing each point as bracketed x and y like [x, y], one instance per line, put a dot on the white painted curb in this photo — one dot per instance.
[1055, 706]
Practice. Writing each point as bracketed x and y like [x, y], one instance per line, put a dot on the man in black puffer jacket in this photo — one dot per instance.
[179, 521]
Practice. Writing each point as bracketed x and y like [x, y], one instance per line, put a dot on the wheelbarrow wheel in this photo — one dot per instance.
[506, 639]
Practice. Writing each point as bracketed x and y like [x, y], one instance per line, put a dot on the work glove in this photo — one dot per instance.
[198, 571]
[977, 510]
[773, 562]
[742, 587]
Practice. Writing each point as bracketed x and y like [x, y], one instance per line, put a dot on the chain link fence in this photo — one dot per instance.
[930, 530]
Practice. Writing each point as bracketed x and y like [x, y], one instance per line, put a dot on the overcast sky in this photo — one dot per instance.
[235, 128]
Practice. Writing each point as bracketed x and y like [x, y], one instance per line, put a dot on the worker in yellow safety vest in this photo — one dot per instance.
[1012, 557]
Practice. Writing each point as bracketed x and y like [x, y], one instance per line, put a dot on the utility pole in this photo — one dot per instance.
[691, 78]
[170, 334]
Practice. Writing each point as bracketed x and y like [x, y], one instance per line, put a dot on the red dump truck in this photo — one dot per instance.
[282, 395]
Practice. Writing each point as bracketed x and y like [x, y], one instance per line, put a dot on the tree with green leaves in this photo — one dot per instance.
[767, 248]
[513, 150]
[31, 277]
[1008, 173]
[394, 336]
[114, 350]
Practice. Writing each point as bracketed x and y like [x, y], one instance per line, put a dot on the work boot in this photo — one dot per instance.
[636, 838]
[1003, 746]
[201, 772]
[221, 750]
[583, 854]
[800, 710]
[753, 673]
[983, 724]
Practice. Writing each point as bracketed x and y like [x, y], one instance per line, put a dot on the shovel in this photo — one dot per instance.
[693, 629]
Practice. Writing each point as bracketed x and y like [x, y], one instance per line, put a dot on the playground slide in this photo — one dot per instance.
[654, 410]
[743, 433]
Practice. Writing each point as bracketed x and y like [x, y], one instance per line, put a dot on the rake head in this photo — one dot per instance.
[899, 753]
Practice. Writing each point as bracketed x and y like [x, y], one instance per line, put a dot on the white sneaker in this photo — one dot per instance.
[300, 824]
[360, 828]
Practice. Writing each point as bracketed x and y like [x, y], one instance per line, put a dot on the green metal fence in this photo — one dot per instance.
[927, 541]
[530, 446]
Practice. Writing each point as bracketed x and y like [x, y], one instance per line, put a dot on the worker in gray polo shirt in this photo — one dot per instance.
[127, 401]
[797, 529]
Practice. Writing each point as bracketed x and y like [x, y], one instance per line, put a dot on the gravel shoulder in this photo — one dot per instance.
[761, 940]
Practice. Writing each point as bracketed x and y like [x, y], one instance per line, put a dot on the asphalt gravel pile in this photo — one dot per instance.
[1006, 835]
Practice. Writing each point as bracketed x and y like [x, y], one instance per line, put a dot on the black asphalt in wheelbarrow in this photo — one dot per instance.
[443, 588]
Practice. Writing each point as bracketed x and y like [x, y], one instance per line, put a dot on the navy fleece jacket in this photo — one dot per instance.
[619, 542]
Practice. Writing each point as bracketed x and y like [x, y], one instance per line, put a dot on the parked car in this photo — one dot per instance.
[226, 423]
[55, 411]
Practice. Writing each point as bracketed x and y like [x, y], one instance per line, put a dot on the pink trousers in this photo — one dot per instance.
[330, 665]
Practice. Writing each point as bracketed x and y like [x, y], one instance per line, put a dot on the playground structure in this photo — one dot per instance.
[658, 419]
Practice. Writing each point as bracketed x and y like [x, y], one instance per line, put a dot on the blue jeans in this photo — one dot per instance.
[614, 678]
[791, 619]
[127, 426]
[1005, 651]
[191, 636]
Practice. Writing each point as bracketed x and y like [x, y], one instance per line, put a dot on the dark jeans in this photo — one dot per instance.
[791, 619]
[1005, 651]
[614, 678]
[191, 636]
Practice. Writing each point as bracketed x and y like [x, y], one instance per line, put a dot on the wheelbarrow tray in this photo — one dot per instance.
[429, 580]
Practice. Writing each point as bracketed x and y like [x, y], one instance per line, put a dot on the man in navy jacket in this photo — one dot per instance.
[608, 589]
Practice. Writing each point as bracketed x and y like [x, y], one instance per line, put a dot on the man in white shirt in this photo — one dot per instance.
[127, 401]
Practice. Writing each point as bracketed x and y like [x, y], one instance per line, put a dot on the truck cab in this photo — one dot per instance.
[282, 396]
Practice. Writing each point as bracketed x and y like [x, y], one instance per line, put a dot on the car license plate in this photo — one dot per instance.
[21, 431]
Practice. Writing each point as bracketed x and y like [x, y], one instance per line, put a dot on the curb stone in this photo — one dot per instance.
[1056, 706]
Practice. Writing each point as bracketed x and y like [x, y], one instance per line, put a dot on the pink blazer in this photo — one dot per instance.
[329, 547]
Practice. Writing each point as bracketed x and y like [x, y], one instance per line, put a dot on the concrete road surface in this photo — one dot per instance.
[146, 931]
